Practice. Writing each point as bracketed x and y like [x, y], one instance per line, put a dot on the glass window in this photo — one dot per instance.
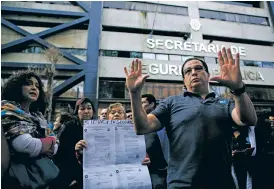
[129, 5]
[220, 91]
[162, 90]
[222, 16]
[151, 7]
[125, 54]
[175, 58]
[209, 14]
[230, 17]
[149, 56]
[84, 52]
[161, 57]
[258, 20]
[109, 53]
[258, 64]
[210, 60]
[252, 63]
[268, 64]
[113, 53]
[237, 3]
[66, 50]
[137, 6]
[37, 50]
[184, 58]
[111, 89]
[242, 63]
[3, 81]
[173, 10]
[26, 50]
[81, 52]
[233, 17]
[182, 11]
[242, 18]
[114, 4]
[135, 55]
[30, 50]
[249, 63]
[166, 9]
[259, 93]
[57, 2]
[140, 6]
[77, 90]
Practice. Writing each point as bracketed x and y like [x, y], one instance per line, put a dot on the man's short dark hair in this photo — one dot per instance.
[150, 98]
[189, 59]
[128, 111]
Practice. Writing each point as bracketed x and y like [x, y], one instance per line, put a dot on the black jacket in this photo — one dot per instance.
[65, 158]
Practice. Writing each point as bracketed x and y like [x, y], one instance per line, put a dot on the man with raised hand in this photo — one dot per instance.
[198, 124]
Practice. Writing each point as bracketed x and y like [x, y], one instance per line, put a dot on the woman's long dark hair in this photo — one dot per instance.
[12, 90]
[82, 101]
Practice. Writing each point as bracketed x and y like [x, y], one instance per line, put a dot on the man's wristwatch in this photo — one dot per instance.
[238, 92]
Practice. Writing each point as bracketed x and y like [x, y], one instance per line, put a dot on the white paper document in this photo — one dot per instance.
[112, 159]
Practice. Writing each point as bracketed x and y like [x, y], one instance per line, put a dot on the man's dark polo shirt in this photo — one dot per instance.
[199, 132]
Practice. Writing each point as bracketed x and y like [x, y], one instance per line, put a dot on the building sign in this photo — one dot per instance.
[195, 24]
[191, 46]
[169, 69]
[246, 74]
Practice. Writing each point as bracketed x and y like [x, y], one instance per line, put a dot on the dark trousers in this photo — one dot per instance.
[260, 168]
[158, 178]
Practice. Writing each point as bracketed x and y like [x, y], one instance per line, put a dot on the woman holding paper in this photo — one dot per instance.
[69, 156]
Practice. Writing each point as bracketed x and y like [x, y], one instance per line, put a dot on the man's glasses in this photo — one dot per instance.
[197, 68]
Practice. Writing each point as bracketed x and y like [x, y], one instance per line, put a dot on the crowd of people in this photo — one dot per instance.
[194, 140]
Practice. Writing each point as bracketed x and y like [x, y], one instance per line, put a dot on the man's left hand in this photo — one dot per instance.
[230, 73]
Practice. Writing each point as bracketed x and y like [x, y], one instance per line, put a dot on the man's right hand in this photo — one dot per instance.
[134, 79]
[144, 123]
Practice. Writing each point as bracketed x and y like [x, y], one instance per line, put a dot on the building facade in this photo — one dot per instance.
[161, 34]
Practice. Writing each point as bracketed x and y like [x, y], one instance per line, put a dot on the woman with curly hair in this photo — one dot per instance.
[23, 100]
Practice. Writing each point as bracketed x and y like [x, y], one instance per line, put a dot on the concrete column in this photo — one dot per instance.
[91, 67]
[193, 12]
